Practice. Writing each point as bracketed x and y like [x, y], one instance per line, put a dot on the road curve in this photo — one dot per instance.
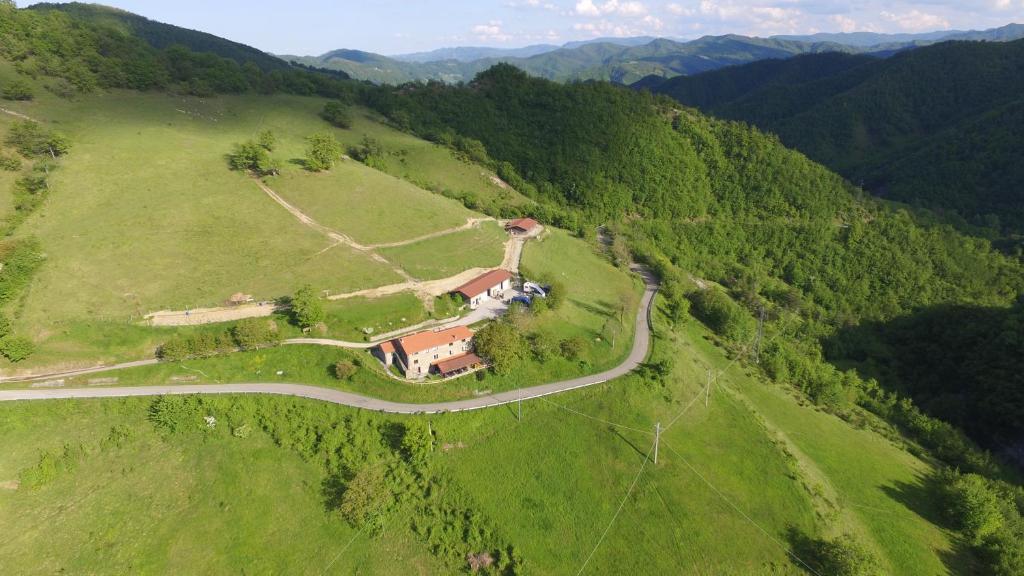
[641, 346]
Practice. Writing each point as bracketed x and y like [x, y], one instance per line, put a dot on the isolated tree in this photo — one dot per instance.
[322, 152]
[307, 309]
[337, 113]
[366, 497]
[344, 369]
[266, 140]
[252, 157]
[417, 442]
[556, 294]
[502, 344]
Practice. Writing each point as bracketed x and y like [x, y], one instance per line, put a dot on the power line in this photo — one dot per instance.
[741, 512]
[617, 511]
[578, 413]
[342, 551]
[720, 373]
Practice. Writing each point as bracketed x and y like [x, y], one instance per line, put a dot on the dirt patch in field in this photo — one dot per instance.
[9, 485]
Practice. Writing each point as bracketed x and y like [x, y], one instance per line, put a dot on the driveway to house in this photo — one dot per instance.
[641, 346]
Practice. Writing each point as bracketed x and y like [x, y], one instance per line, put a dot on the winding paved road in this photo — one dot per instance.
[641, 346]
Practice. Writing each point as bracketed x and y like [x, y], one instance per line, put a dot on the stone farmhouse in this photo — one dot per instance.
[491, 285]
[445, 352]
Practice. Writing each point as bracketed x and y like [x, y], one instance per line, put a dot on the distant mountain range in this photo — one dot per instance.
[940, 125]
[627, 60]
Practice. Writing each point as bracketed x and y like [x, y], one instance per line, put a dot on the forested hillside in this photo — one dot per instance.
[78, 55]
[937, 126]
[160, 35]
[718, 199]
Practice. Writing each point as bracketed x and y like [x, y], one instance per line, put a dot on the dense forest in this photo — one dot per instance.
[937, 126]
[718, 199]
[965, 364]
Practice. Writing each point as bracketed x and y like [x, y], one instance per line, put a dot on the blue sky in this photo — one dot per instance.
[393, 26]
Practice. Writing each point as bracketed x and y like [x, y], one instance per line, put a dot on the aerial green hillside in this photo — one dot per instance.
[934, 126]
[790, 471]
[755, 436]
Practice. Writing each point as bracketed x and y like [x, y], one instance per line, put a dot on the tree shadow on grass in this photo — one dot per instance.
[332, 489]
[300, 162]
[600, 308]
[920, 497]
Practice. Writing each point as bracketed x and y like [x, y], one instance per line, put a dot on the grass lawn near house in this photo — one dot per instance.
[448, 255]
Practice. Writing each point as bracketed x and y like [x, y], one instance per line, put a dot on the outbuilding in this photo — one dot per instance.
[521, 226]
[491, 285]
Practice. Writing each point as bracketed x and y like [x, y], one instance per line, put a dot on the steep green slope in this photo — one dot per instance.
[935, 126]
[724, 202]
[160, 35]
[720, 87]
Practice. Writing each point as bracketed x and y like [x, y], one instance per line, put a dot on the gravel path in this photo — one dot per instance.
[641, 346]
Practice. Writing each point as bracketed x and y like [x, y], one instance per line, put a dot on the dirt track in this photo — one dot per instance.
[425, 290]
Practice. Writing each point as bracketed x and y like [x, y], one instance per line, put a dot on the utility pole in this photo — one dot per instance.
[760, 335]
[657, 437]
[430, 430]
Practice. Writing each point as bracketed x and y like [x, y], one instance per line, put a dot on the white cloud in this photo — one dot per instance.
[491, 31]
[680, 10]
[528, 4]
[916, 21]
[630, 8]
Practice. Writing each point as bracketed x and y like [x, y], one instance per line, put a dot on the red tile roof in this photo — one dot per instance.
[483, 283]
[387, 347]
[459, 362]
[425, 340]
[526, 224]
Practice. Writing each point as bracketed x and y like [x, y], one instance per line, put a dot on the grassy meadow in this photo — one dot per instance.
[154, 505]
[427, 164]
[444, 256]
[595, 289]
[553, 483]
[145, 215]
[370, 206]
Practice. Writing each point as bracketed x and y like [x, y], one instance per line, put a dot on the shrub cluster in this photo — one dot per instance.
[248, 334]
[377, 472]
